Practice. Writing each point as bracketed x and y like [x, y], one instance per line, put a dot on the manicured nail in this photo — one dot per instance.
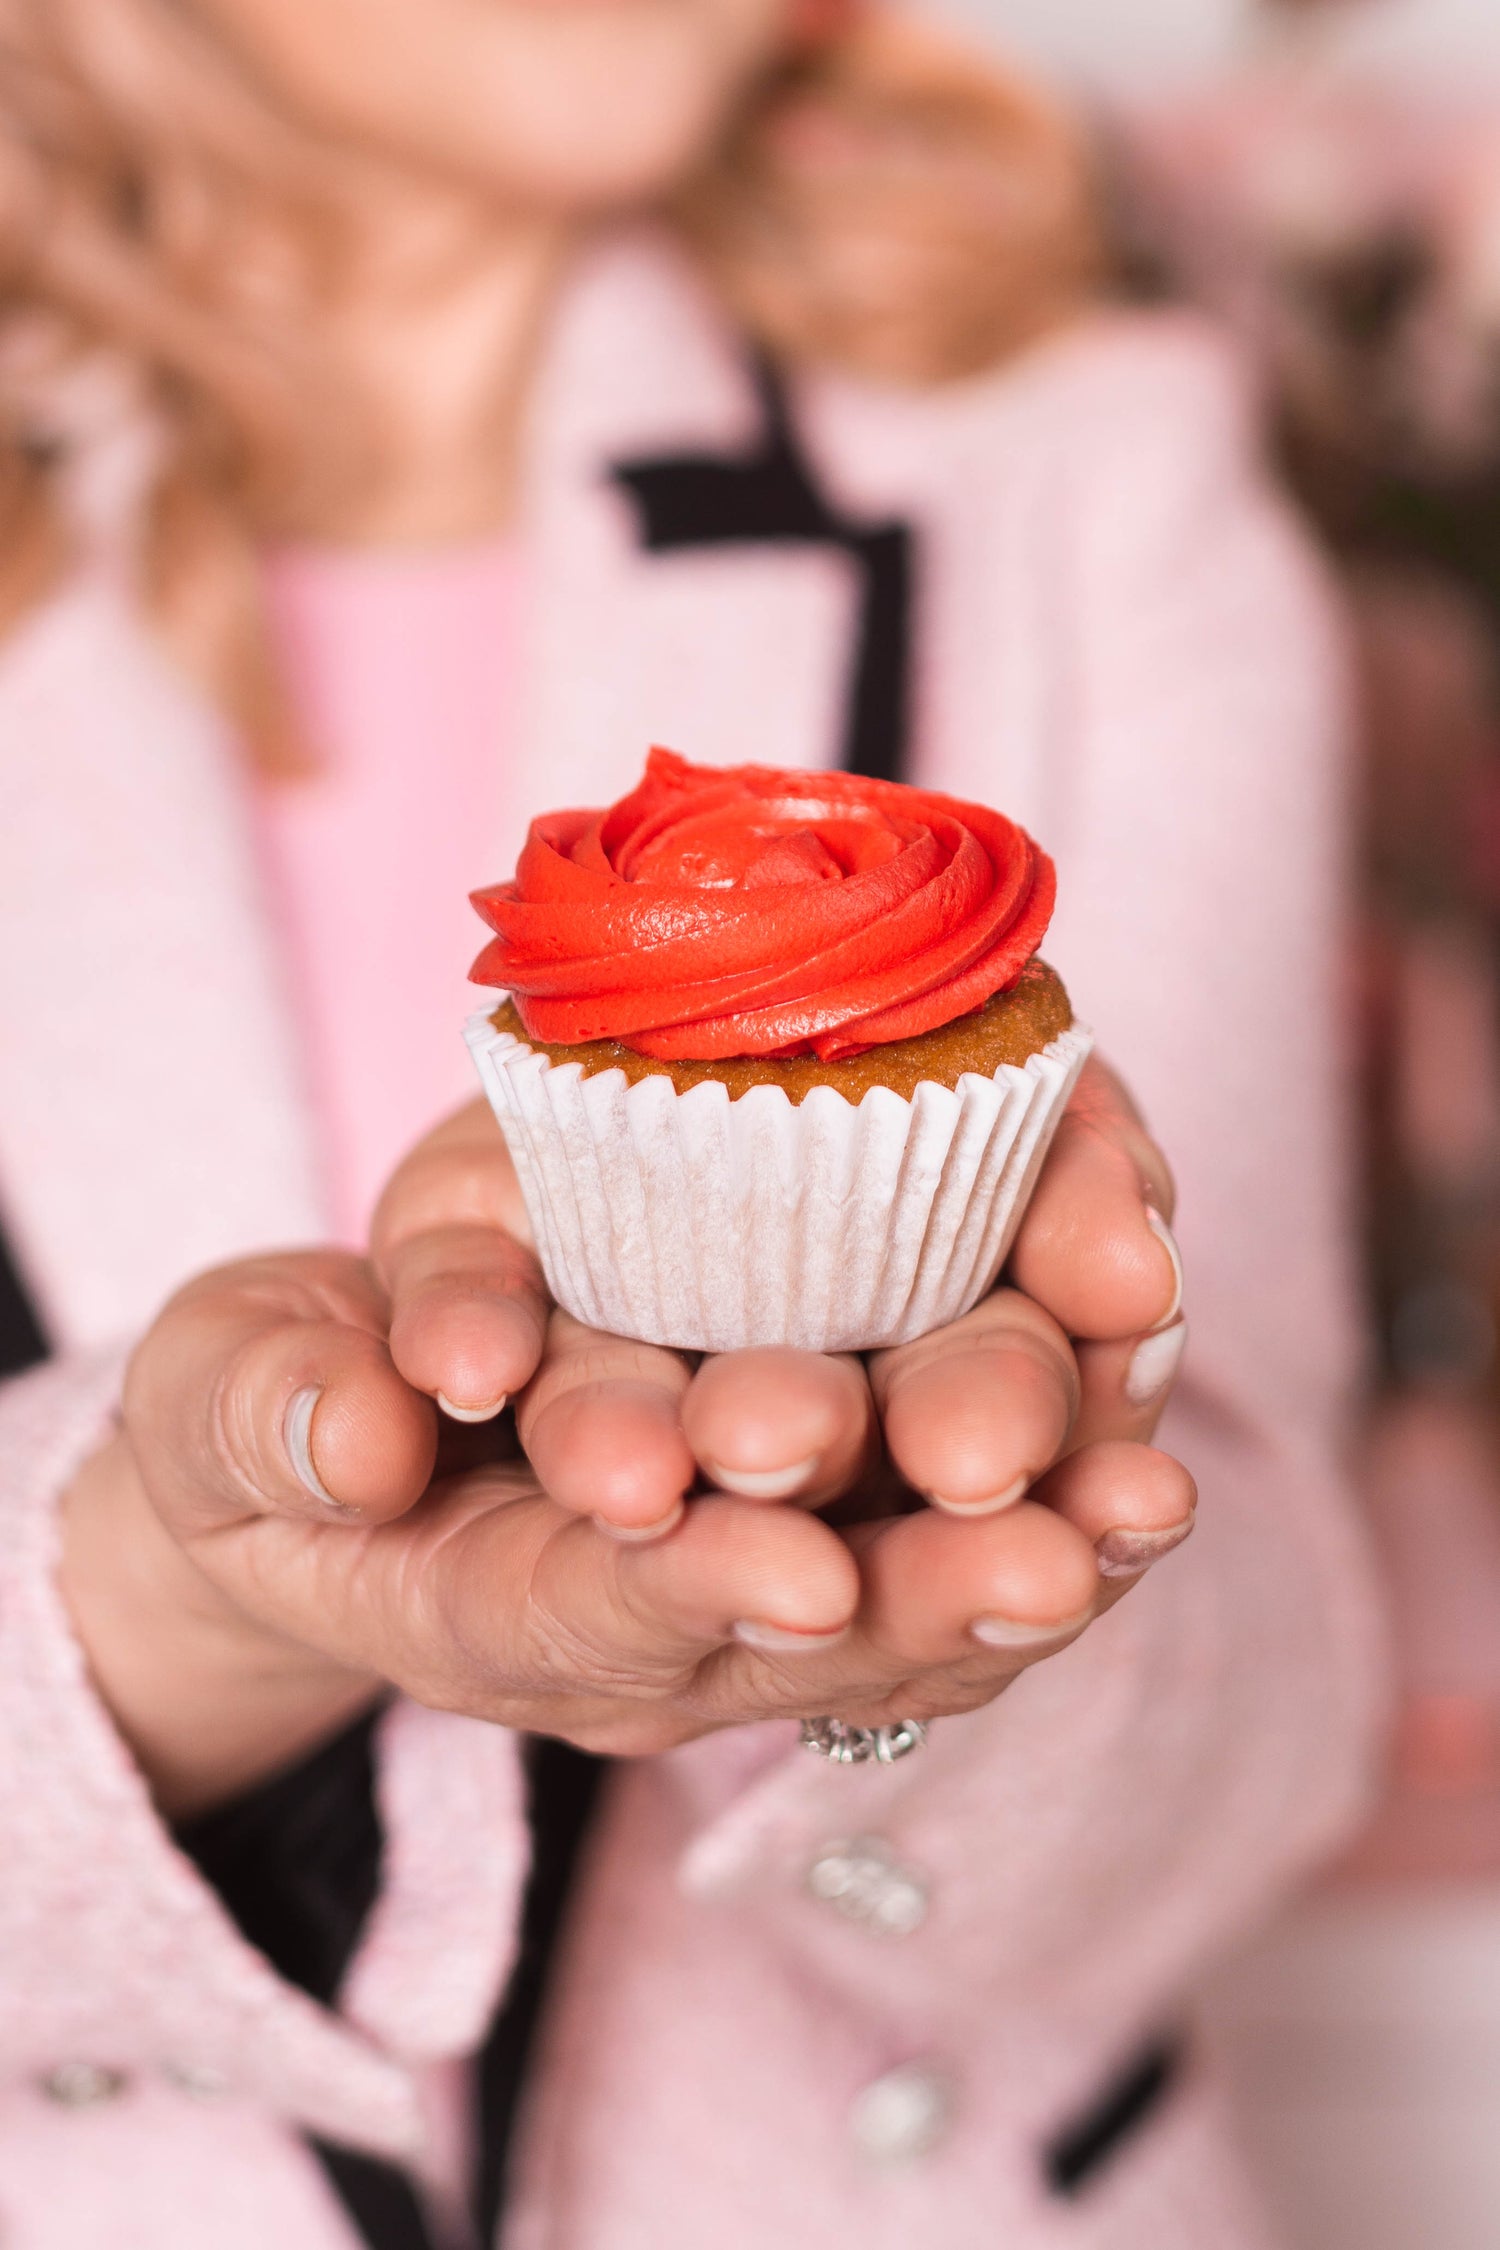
[296, 1435]
[1168, 1241]
[642, 1534]
[781, 1640]
[989, 1507]
[1012, 1632]
[1125, 1554]
[762, 1484]
[1154, 1362]
[456, 1413]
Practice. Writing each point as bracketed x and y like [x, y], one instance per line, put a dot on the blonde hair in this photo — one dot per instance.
[882, 203]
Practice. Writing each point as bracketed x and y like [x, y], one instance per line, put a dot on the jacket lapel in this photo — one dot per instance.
[744, 650]
[153, 1121]
[730, 652]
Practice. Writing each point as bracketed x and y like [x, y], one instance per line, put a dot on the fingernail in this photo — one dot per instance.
[1012, 1632]
[456, 1413]
[989, 1507]
[296, 1435]
[1125, 1554]
[1168, 1241]
[641, 1534]
[1154, 1362]
[762, 1484]
[780, 1639]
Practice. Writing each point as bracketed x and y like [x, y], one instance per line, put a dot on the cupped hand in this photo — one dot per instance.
[291, 1551]
[1079, 1349]
[288, 1520]
[1025, 1426]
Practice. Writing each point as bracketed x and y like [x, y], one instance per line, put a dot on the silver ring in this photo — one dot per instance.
[844, 1745]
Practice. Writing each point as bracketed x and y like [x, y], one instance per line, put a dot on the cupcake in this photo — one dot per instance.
[775, 1059]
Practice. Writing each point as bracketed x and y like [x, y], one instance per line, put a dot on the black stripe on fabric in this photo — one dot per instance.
[1081, 2150]
[380, 2200]
[22, 1342]
[297, 1861]
[565, 1791]
[770, 497]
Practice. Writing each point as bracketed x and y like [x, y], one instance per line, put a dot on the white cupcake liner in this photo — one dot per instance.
[710, 1224]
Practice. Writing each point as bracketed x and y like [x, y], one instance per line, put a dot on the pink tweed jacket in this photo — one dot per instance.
[1124, 642]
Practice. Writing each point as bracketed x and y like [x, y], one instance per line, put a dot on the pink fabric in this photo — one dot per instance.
[155, 1119]
[403, 667]
[1125, 643]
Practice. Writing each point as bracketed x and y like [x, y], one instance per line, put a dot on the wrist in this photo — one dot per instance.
[208, 1700]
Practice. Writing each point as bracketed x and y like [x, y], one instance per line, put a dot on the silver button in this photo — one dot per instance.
[865, 1882]
[200, 2080]
[81, 2085]
[902, 2115]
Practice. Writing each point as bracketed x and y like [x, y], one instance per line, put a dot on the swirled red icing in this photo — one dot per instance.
[721, 911]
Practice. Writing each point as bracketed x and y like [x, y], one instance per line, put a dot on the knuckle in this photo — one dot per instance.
[1105, 1129]
[463, 1257]
[1013, 1319]
[233, 1434]
[588, 1355]
[1005, 1359]
[607, 1653]
[461, 1176]
[590, 1374]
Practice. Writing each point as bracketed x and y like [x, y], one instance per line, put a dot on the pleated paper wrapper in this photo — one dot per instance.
[709, 1224]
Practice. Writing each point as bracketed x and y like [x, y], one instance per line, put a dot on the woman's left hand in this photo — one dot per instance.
[1025, 1425]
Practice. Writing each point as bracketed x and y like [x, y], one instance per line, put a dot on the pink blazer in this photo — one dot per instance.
[1124, 642]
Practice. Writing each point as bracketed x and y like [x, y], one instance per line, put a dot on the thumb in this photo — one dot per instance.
[267, 1389]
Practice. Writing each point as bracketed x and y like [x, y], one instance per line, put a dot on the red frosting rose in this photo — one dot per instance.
[721, 911]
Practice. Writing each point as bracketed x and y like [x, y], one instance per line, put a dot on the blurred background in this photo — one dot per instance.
[1148, 45]
[1324, 176]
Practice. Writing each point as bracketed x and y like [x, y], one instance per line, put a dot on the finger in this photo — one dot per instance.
[602, 1428]
[767, 1578]
[538, 1601]
[1125, 1386]
[733, 1577]
[772, 1424]
[950, 1612]
[451, 1242]
[1094, 1246]
[1131, 1503]
[974, 1412]
[468, 1317]
[937, 1591]
[268, 1389]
